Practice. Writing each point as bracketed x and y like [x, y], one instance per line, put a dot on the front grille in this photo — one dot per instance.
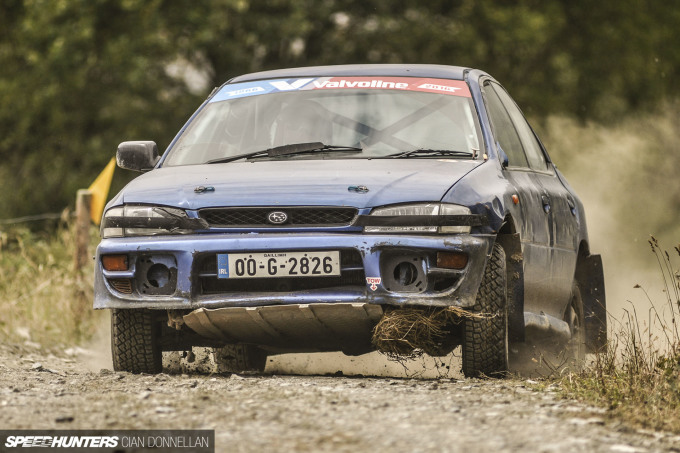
[205, 275]
[297, 216]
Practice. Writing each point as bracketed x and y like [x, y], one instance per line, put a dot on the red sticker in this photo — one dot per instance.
[374, 282]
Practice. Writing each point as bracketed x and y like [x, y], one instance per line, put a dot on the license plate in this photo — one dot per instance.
[278, 264]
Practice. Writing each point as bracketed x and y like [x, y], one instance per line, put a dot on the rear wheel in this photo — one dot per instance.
[134, 341]
[550, 355]
[485, 339]
[234, 358]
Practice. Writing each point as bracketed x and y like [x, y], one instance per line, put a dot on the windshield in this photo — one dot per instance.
[379, 115]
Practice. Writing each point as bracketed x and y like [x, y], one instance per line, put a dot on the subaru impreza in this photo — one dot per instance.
[296, 208]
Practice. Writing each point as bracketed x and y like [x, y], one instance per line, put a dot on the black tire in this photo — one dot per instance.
[134, 341]
[553, 356]
[485, 340]
[235, 358]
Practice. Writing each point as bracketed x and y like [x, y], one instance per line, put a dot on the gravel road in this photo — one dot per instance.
[40, 389]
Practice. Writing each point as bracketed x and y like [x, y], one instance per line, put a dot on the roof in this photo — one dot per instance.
[395, 70]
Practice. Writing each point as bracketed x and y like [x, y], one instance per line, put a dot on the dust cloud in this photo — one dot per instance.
[627, 178]
[96, 354]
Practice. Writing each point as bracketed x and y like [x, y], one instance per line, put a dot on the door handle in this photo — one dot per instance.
[546, 203]
[572, 206]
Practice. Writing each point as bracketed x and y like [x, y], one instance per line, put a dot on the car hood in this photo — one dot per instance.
[298, 182]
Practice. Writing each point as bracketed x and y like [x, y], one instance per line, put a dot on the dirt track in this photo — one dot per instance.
[273, 412]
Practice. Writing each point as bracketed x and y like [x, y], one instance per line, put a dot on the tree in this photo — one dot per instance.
[79, 76]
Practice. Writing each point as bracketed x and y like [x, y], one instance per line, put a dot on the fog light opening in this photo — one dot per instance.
[158, 275]
[405, 273]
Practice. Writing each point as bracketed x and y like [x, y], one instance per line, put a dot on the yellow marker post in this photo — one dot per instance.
[100, 191]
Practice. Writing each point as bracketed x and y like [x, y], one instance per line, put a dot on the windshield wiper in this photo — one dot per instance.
[314, 147]
[431, 153]
[223, 160]
[285, 150]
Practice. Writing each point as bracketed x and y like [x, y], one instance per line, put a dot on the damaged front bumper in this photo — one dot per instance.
[180, 272]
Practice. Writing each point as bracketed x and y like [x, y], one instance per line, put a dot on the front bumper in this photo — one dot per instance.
[183, 284]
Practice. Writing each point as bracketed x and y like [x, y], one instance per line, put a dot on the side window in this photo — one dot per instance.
[531, 146]
[504, 129]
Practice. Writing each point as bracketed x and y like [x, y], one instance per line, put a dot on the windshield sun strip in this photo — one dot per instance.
[367, 135]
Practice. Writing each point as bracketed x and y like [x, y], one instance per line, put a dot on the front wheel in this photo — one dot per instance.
[485, 339]
[134, 341]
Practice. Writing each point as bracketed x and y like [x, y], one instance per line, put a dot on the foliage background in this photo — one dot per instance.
[79, 76]
[598, 80]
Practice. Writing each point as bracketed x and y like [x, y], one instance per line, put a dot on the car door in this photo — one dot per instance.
[535, 224]
[558, 205]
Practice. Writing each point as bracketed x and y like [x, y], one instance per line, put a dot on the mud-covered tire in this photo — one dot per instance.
[235, 358]
[541, 355]
[485, 339]
[134, 341]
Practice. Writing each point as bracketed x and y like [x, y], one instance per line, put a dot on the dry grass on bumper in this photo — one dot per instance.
[406, 333]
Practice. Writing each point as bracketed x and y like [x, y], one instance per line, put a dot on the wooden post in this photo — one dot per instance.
[82, 231]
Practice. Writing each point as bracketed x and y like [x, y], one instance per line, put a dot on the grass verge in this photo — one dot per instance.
[638, 376]
[43, 299]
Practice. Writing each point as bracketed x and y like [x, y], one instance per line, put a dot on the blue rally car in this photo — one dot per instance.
[298, 207]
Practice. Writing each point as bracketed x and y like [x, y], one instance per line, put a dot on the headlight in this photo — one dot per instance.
[421, 218]
[131, 220]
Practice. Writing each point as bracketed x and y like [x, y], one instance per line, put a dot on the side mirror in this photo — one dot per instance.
[137, 156]
[502, 156]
